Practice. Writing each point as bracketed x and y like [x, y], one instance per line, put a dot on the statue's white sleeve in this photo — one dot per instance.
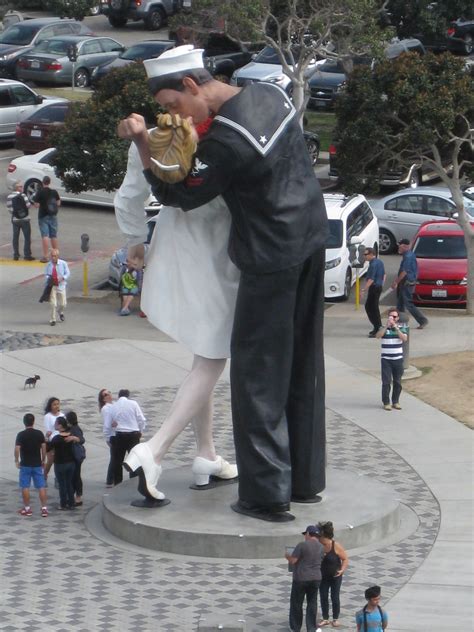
[130, 199]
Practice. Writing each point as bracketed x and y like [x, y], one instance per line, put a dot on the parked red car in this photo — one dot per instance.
[442, 264]
[32, 134]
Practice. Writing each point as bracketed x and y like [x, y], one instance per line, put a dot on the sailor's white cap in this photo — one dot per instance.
[175, 61]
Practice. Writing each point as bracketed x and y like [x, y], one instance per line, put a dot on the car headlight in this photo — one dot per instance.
[464, 281]
[279, 79]
[333, 263]
[7, 56]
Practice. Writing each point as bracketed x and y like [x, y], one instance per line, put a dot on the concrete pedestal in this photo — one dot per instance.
[201, 523]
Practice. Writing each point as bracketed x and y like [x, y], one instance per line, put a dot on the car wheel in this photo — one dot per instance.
[414, 180]
[386, 242]
[347, 285]
[31, 188]
[117, 21]
[467, 44]
[155, 20]
[313, 149]
[81, 78]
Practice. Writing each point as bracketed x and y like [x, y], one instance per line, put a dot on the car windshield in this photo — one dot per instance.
[332, 65]
[334, 239]
[50, 113]
[440, 247]
[269, 56]
[53, 46]
[19, 34]
[141, 51]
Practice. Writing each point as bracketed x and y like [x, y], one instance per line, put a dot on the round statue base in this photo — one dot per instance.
[201, 523]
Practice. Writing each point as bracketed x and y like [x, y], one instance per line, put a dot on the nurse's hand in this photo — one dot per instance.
[132, 128]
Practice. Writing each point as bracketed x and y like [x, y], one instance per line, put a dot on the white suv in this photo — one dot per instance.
[351, 223]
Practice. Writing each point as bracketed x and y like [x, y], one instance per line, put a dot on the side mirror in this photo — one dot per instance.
[39, 99]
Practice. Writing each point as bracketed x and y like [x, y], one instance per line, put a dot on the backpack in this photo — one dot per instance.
[19, 208]
[52, 205]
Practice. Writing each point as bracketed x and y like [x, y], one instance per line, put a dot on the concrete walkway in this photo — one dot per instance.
[128, 353]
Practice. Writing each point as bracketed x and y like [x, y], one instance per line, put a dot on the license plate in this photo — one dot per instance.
[36, 132]
[35, 64]
[439, 293]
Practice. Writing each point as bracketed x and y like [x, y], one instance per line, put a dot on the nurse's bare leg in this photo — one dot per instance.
[192, 401]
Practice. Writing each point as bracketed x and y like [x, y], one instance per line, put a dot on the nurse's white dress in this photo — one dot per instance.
[190, 284]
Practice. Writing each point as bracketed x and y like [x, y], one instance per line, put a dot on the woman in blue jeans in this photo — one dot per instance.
[335, 562]
[64, 463]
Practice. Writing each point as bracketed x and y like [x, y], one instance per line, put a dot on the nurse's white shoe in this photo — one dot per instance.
[204, 468]
[141, 456]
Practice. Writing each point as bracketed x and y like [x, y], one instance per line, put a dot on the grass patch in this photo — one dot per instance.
[78, 94]
[425, 370]
[323, 124]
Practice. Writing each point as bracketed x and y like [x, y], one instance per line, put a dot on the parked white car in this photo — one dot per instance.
[32, 169]
[351, 223]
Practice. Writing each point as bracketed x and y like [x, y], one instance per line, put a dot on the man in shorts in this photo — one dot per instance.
[30, 457]
[47, 201]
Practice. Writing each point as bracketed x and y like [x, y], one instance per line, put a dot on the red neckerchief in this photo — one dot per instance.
[203, 128]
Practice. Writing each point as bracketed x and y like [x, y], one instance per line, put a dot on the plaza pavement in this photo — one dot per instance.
[67, 573]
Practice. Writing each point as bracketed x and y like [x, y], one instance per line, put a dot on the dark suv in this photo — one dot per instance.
[153, 12]
[21, 37]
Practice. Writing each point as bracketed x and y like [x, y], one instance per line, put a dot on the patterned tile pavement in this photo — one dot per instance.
[58, 576]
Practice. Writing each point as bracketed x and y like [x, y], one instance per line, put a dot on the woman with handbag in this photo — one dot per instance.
[79, 452]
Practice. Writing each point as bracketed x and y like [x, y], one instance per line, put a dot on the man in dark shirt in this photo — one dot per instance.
[373, 289]
[254, 155]
[47, 201]
[30, 456]
[306, 560]
[405, 283]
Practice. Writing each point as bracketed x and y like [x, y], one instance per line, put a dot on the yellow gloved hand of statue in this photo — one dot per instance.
[172, 142]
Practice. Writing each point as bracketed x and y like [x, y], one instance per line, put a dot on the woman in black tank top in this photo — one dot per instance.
[334, 564]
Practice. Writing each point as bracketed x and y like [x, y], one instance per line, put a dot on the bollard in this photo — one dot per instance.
[85, 267]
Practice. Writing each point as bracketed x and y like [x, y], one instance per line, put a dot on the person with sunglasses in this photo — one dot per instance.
[393, 335]
[372, 290]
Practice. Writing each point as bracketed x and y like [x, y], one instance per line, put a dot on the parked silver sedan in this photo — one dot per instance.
[49, 61]
[401, 213]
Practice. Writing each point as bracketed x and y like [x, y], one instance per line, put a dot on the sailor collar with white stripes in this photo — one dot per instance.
[248, 114]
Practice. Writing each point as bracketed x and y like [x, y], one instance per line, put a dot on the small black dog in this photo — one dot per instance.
[31, 381]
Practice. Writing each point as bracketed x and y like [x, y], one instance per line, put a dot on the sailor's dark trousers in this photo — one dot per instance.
[277, 383]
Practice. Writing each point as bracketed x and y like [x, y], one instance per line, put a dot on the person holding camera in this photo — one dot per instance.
[393, 335]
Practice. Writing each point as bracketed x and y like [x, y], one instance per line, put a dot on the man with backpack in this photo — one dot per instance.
[372, 618]
[18, 205]
[47, 201]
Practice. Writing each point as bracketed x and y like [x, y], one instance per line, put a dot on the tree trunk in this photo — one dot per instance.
[469, 241]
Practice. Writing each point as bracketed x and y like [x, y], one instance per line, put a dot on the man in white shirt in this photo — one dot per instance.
[131, 422]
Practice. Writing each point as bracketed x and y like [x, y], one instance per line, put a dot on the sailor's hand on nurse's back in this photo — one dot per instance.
[132, 127]
[136, 256]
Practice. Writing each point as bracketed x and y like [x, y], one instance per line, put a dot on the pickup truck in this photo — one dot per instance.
[153, 12]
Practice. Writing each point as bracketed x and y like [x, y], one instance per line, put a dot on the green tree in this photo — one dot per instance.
[76, 9]
[89, 154]
[405, 111]
[299, 30]
[430, 19]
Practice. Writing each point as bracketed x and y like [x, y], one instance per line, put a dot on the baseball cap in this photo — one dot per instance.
[312, 529]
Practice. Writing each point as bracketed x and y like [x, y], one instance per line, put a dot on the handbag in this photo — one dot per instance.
[79, 452]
